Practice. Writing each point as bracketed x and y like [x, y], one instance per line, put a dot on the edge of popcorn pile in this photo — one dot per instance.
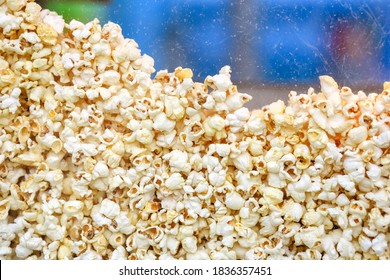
[100, 160]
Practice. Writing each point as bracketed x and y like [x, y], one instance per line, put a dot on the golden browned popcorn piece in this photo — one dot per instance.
[182, 74]
[47, 34]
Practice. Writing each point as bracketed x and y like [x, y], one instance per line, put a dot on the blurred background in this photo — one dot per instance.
[273, 46]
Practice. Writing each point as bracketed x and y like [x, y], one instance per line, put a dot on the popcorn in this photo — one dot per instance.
[100, 160]
[11, 102]
[64, 253]
[357, 135]
[243, 162]
[16, 5]
[54, 20]
[234, 201]
[189, 244]
[109, 209]
[162, 123]
[272, 195]
[379, 244]
[47, 34]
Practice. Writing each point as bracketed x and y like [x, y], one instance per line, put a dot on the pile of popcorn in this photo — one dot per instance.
[100, 160]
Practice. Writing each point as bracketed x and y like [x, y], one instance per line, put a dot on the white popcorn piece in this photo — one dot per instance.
[109, 209]
[234, 201]
[379, 244]
[100, 170]
[272, 195]
[175, 182]
[357, 135]
[293, 212]
[189, 244]
[8, 21]
[11, 102]
[54, 20]
[27, 244]
[162, 123]
[72, 207]
[178, 161]
[243, 162]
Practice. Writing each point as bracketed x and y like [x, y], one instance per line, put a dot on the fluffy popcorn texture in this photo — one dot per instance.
[100, 160]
